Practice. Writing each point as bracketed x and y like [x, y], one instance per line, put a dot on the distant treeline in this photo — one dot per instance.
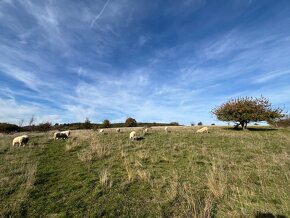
[42, 127]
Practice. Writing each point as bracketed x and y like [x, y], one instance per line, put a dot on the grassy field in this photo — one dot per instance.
[226, 173]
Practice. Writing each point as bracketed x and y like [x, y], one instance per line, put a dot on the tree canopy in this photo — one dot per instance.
[130, 122]
[247, 109]
[106, 124]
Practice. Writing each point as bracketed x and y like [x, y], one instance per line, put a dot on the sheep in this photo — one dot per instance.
[21, 140]
[166, 129]
[118, 130]
[132, 135]
[145, 130]
[67, 132]
[101, 131]
[202, 130]
[55, 135]
[60, 135]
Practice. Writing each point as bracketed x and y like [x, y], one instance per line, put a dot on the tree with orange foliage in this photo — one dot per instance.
[247, 109]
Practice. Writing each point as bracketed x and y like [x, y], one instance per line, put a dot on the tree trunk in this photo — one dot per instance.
[242, 124]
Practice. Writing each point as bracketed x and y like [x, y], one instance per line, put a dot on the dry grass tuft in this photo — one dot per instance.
[129, 170]
[85, 155]
[72, 144]
[172, 190]
[191, 202]
[144, 175]
[138, 163]
[95, 151]
[130, 174]
[99, 150]
[143, 155]
[123, 154]
[104, 179]
[217, 181]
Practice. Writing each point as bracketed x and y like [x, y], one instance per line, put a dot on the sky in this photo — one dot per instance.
[64, 61]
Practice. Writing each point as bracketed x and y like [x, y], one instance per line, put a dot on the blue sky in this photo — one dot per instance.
[156, 61]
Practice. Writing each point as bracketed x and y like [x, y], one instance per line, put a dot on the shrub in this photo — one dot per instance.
[7, 128]
[43, 127]
[199, 123]
[130, 122]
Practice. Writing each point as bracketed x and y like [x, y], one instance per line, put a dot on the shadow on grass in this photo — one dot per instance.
[268, 215]
[250, 129]
[262, 129]
[139, 138]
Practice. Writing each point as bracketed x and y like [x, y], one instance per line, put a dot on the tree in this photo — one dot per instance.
[106, 124]
[31, 121]
[87, 124]
[199, 123]
[20, 123]
[246, 109]
[130, 122]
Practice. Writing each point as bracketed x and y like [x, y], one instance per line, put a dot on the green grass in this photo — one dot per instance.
[225, 173]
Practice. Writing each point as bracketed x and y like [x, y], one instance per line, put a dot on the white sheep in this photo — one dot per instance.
[21, 140]
[61, 135]
[166, 129]
[132, 135]
[145, 131]
[202, 130]
[118, 130]
[67, 132]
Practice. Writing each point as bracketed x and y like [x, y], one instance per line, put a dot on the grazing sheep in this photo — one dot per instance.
[145, 130]
[202, 130]
[132, 135]
[55, 135]
[60, 135]
[166, 129]
[67, 132]
[118, 130]
[21, 140]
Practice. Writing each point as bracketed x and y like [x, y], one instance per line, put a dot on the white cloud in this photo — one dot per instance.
[12, 112]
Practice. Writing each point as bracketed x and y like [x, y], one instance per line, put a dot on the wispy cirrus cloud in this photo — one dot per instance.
[99, 14]
[272, 75]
